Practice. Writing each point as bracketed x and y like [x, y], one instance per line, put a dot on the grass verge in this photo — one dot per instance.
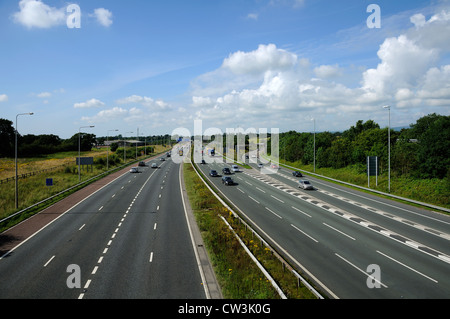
[33, 189]
[238, 276]
[433, 191]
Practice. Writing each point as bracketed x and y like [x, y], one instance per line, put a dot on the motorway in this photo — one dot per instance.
[129, 239]
[349, 243]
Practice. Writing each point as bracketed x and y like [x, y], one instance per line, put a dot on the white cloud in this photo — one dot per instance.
[35, 13]
[145, 101]
[3, 98]
[89, 104]
[276, 86]
[106, 115]
[104, 16]
[327, 71]
[403, 61]
[252, 16]
[266, 57]
[44, 95]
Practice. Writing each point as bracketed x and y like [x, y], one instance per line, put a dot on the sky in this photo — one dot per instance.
[154, 67]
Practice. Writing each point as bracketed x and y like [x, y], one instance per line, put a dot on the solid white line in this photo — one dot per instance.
[339, 231]
[304, 233]
[195, 248]
[398, 262]
[49, 261]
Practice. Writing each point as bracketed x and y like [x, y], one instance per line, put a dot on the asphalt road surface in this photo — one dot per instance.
[349, 243]
[129, 239]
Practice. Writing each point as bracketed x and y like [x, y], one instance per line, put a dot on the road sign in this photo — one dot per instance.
[372, 169]
[85, 160]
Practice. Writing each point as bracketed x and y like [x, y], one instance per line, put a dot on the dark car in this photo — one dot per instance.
[141, 164]
[227, 180]
[226, 171]
[297, 174]
[213, 173]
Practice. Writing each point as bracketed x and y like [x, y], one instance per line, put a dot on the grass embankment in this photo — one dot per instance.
[33, 189]
[238, 275]
[433, 191]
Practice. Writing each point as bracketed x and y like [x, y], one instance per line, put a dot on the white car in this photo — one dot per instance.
[154, 165]
[305, 184]
[260, 165]
[134, 170]
[235, 168]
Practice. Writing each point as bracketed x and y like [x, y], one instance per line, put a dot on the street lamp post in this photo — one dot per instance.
[79, 150]
[107, 148]
[124, 149]
[314, 144]
[389, 148]
[15, 161]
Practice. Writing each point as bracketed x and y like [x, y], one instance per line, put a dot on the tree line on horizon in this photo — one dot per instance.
[31, 145]
[420, 151]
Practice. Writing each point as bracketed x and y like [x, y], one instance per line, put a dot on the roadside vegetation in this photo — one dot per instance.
[238, 275]
[420, 157]
[62, 169]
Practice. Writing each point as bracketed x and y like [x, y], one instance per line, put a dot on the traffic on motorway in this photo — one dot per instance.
[349, 243]
[115, 242]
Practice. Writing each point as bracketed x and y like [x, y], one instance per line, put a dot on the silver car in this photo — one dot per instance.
[134, 170]
[305, 184]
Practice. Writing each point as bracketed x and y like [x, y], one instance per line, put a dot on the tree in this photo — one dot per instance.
[7, 138]
[340, 152]
[434, 151]
[353, 132]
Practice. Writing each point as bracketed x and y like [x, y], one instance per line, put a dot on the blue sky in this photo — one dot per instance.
[160, 65]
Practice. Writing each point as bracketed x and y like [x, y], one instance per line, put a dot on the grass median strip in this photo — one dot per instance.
[238, 275]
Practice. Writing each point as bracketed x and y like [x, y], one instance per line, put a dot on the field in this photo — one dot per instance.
[61, 167]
